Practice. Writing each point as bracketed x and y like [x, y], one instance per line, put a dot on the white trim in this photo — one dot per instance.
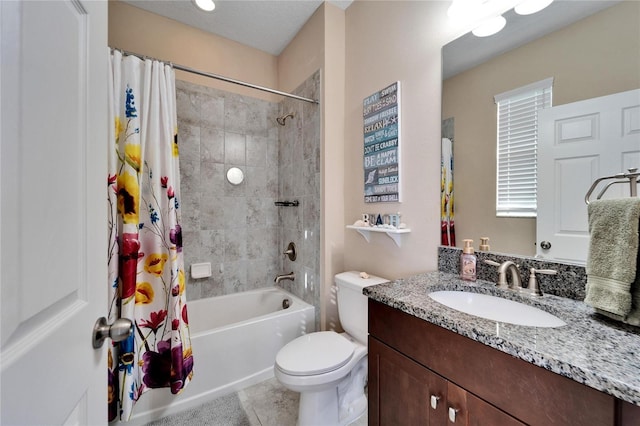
[538, 85]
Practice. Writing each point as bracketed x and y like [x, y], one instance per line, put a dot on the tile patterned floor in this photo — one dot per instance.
[265, 404]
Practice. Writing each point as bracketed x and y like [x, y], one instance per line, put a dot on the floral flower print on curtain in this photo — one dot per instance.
[146, 266]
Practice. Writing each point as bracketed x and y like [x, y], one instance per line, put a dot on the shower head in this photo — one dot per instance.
[281, 120]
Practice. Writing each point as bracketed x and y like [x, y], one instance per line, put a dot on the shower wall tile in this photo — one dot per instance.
[212, 242]
[211, 174]
[298, 179]
[209, 288]
[188, 135]
[291, 217]
[254, 245]
[234, 212]
[238, 228]
[190, 215]
[261, 213]
[256, 118]
[272, 152]
[211, 213]
[235, 247]
[188, 106]
[191, 239]
[272, 183]
[212, 145]
[235, 276]
[234, 148]
[310, 211]
[256, 154]
[235, 190]
[235, 228]
[309, 176]
[255, 277]
[212, 110]
[194, 291]
[189, 176]
[310, 249]
[235, 114]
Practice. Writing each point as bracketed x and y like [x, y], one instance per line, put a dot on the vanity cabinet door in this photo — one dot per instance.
[627, 414]
[525, 391]
[466, 409]
[403, 392]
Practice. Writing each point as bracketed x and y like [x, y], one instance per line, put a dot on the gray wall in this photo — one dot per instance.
[233, 227]
[238, 228]
[299, 179]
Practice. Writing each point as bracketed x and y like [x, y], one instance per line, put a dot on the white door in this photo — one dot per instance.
[578, 143]
[53, 92]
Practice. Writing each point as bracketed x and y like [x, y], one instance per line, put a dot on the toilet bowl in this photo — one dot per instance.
[329, 369]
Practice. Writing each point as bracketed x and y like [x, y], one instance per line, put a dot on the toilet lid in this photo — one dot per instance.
[314, 353]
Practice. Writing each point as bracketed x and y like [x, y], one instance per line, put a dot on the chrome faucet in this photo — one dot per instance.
[290, 276]
[503, 269]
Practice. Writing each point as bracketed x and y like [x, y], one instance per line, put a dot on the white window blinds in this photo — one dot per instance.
[517, 147]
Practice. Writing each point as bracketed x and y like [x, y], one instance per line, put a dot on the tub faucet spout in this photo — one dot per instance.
[290, 276]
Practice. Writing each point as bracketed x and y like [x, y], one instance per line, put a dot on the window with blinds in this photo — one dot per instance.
[517, 147]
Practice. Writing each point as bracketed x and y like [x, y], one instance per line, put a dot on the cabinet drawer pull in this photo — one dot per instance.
[452, 414]
[434, 401]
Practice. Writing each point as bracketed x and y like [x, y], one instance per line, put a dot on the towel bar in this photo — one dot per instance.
[631, 177]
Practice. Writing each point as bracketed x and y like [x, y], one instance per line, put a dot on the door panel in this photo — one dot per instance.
[578, 143]
[53, 212]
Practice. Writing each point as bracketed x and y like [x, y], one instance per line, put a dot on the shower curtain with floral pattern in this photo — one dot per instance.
[146, 267]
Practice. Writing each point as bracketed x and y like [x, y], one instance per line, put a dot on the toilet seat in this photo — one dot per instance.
[315, 353]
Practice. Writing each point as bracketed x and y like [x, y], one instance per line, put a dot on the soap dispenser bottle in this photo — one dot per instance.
[468, 262]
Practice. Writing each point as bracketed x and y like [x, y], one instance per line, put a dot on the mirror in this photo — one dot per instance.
[592, 53]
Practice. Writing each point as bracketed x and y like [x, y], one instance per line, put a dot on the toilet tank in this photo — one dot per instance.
[352, 304]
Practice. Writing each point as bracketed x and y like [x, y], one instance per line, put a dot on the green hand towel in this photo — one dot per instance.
[613, 253]
[633, 318]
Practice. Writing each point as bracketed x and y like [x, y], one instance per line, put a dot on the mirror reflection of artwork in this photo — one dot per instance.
[448, 233]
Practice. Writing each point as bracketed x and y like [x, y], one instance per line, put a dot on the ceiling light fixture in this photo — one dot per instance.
[463, 11]
[206, 5]
[490, 26]
[529, 7]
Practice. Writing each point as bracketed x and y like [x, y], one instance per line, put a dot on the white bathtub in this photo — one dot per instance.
[235, 339]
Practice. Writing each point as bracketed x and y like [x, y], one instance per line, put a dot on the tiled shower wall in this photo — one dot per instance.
[238, 229]
[299, 179]
[233, 227]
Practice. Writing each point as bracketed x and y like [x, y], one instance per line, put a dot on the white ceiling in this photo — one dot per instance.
[269, 25]
[266, 25]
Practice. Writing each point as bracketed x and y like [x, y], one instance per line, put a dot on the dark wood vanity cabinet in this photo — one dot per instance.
[411, 361]
[405, 387]
[403, 392]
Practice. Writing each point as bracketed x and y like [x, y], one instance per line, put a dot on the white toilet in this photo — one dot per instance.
[330, 369]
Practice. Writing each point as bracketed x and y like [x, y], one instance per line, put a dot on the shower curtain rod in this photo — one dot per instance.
[221, 77]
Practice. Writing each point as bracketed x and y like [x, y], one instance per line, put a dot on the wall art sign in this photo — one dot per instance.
[381, 114]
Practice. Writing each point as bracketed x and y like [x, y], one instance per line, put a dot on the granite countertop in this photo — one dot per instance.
[590, 349]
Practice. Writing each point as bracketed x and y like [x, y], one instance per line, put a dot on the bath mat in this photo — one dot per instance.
[223, 411]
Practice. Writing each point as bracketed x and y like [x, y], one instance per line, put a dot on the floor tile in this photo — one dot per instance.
[265, 404]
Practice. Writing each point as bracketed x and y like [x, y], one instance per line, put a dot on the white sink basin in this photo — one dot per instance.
[496, 309]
